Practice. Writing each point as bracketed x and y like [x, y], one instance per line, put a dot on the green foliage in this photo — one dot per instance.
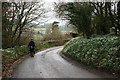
[100, 52]
[44, 46]
[79, 15]
[91, 17]
[11, 54]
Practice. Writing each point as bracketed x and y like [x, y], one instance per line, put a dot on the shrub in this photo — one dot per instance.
[101, 52]
[12, 54]
[54, 33]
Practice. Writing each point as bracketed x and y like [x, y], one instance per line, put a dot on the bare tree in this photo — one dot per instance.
[17, 17]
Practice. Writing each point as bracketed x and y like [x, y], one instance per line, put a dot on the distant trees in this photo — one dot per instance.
[91, 17]
[54, 33]
[16, 17]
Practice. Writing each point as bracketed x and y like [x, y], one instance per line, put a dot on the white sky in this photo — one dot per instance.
[51, 15]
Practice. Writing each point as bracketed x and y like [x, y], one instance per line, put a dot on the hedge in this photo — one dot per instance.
[102, 52]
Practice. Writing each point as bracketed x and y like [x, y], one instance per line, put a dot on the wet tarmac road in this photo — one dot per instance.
[49, 64]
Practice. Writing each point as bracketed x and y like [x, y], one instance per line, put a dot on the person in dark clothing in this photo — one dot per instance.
[31, 46]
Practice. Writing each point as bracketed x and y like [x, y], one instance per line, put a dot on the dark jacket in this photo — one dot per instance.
[31, 45]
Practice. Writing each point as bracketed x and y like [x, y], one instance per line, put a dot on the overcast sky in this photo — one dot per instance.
[51, 14]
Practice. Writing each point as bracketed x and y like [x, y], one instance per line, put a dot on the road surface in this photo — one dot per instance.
[49, 64]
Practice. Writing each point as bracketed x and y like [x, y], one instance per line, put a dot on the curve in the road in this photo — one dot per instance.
[49, 64]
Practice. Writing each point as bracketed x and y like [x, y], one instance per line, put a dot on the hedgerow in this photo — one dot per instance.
[99, 51]
[12, 54]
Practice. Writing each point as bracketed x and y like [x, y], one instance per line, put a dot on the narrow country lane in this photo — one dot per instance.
[49, 64]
